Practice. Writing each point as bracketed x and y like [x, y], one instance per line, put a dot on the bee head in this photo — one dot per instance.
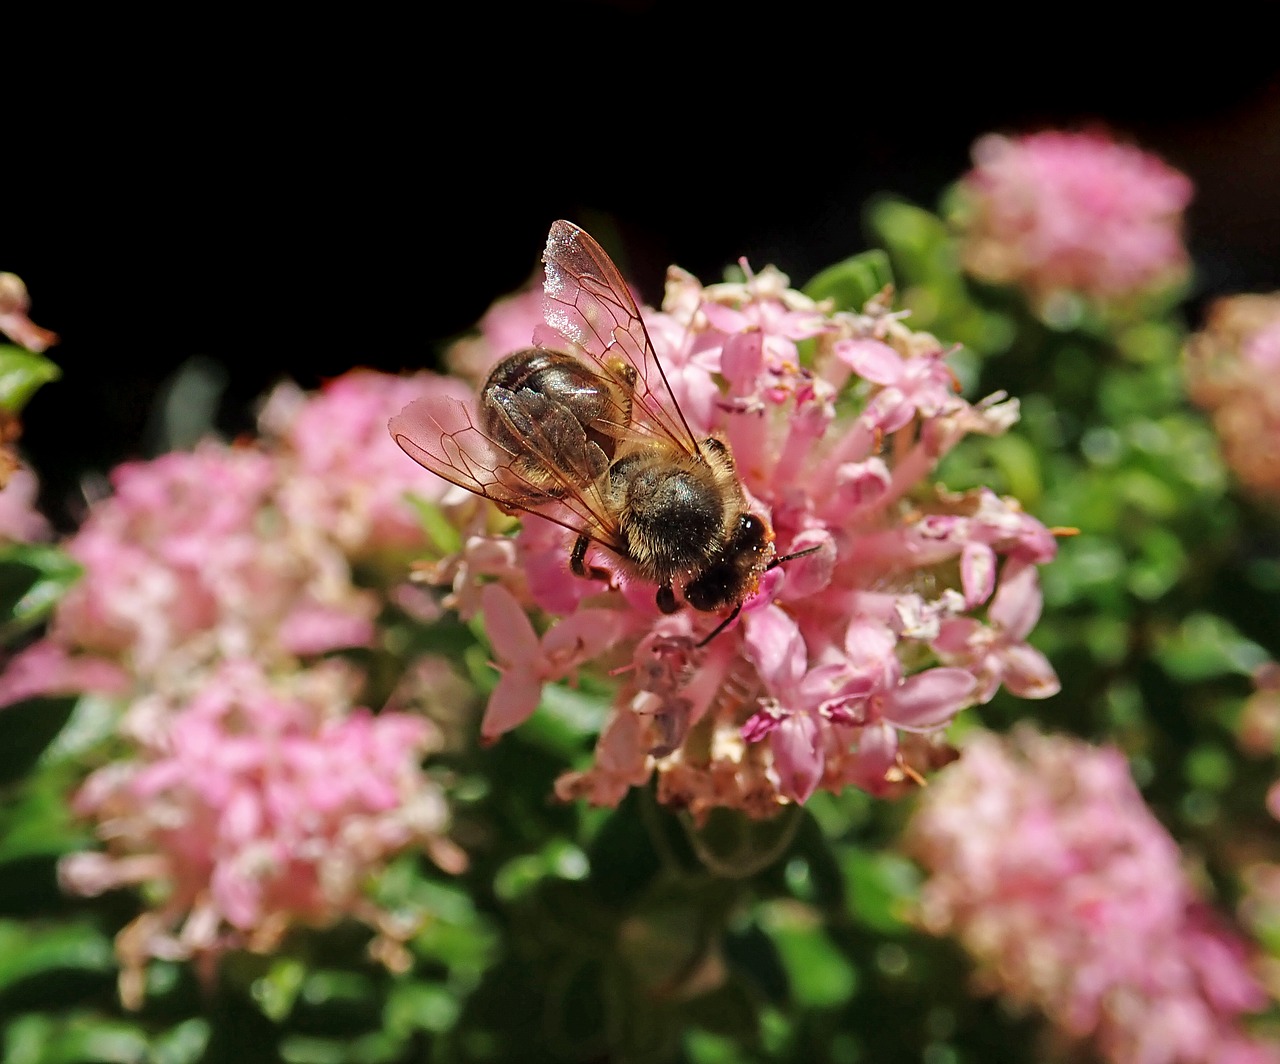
[736, 571]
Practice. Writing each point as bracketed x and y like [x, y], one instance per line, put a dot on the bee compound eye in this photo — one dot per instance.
[752, 534]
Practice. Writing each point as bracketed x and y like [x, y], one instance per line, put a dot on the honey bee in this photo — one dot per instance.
[593, 438]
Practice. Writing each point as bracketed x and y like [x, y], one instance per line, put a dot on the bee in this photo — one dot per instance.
[592, 438]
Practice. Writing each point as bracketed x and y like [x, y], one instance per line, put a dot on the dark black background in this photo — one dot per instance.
[295, 199]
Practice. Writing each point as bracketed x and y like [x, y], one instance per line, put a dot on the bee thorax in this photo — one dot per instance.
[673, 519]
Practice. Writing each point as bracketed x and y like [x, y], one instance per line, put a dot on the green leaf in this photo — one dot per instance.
[41, 1039]
[581, 712]
[277, 990]
[702, 1047]
[519, 877]
[28, 952]
[299, 1049]
[420, 1007]
[446, 538]
[908, 230]
[22, 373]
[35, 821]
[33, 578]
[852, 282]
[183, 1044]
[26, 729]
[1209, 767]
[879, 887]
[820, 975]
[1205, 645]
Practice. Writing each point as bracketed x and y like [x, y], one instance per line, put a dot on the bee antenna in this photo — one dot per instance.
[791, 557]
[720, 627]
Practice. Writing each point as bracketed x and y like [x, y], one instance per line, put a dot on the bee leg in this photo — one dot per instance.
[578, 562]
[666, 599]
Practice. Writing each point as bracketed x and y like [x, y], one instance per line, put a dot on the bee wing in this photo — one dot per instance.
[589, 304]
[440, 434]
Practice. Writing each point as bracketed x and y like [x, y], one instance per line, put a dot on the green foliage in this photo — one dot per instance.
[33, 577]
[849, 284]
[22, 373]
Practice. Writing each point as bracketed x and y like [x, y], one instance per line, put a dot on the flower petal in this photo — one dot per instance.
[773, 643]
[871, 359]
[797, 756]
[1027, 673]
[1016, 606]
[514, 641]
[977, 573]
[512, 702]
[928, 699]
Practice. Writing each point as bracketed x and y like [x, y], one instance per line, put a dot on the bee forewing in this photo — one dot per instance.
[439, 433]
[589, 304]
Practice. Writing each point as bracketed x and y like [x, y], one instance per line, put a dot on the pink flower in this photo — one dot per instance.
[1046, 864]
[345, 477]
[20, 521]
[45, 669]
[527, 661]
[833, 667]
[14, 323]
[1233, 372]
[251, 796]
[190, 561]
[253, 811]
[1072, 213]
[996, 652]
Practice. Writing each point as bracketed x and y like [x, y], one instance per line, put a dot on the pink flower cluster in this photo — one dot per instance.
[217, 586]
[244, 551]
[1072, 213]
[914, 603]
[1047, 865]
[344, 478]
[189, 562]
[1233, 371]
[252, 808]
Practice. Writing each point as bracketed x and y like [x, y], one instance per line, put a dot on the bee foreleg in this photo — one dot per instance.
[578, 562]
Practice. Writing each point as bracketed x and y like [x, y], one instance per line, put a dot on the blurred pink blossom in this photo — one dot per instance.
[344, 476]
[839, 653]
[1233, 372]
[46, 669]
[190, 561]
[20, 521]
[14, 323]
[257, 808]
[249, 794]
[1072, 213]
[1045, 862]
